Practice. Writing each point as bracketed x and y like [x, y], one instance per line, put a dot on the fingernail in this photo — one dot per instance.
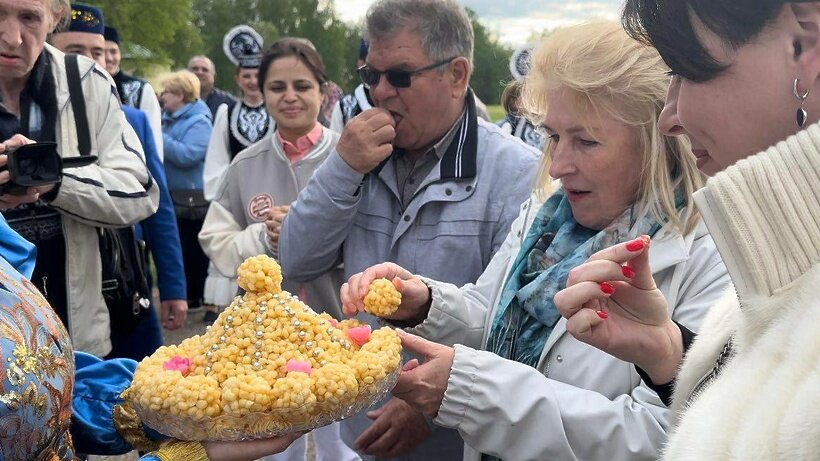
[607, 288]
[602, 314]
[635, 245]
[627, 271]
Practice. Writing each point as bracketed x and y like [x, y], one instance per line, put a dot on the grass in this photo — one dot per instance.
[496, 112]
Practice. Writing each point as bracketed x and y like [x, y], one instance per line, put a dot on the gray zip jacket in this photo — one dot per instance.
[450, 230]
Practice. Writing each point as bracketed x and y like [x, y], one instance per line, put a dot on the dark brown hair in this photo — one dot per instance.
[667, 25]
[299, 48]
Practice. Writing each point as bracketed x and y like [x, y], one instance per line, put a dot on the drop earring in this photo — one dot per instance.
[802, 115]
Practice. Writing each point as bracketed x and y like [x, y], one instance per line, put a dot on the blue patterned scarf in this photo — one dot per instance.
[554, 245]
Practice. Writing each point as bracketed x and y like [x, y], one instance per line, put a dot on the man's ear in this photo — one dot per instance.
[807, 41]
[460, 70]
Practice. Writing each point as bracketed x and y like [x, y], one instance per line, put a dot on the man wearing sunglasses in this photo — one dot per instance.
[417, 180]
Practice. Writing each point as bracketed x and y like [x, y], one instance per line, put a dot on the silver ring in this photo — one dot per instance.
[796, 94]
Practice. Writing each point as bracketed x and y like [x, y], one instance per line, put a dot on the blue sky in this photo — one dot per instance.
[514, 24]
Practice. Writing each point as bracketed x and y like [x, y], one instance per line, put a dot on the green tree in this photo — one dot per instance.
[274, 19]
[156, 27]
[491, 63]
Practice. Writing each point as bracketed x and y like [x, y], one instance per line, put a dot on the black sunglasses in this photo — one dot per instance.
[397, 78]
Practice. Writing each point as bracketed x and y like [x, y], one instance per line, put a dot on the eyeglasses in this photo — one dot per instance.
[397, 78]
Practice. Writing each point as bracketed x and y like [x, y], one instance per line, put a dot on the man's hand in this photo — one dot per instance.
[367, 140]
[415, 296]
[173, 313]
[9, 201]
[397, 429]
[273, 225]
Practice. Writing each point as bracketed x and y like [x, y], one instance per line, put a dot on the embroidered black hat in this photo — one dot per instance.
[111, 35]
[243, 47]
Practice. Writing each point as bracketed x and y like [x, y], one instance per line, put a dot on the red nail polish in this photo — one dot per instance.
[607, 288]
[602, 314]
[627, 271]
[635, 245]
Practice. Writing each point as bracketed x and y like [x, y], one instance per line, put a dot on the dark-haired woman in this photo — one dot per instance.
[746, 77]
[246, 215]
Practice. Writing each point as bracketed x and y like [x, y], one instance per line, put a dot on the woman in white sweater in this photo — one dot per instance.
[253, 198]
[746, 78]
[516, 386]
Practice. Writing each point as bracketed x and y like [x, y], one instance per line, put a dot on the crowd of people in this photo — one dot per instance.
[624, 267]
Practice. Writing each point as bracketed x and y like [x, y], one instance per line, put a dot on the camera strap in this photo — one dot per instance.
[75, 91]
[124, 283]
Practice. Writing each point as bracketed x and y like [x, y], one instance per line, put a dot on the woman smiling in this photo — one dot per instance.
[746, 77]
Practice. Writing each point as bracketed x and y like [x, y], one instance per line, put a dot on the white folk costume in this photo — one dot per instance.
[238, 126]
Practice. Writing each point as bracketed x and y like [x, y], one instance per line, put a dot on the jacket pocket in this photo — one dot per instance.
[375, 223]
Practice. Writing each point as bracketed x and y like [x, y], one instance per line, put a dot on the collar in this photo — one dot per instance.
[764, 215]
[459, 161]
[439, 148]
[363, 97]
[123, 77]
[36, 78]
[298, 150]
[181, 111]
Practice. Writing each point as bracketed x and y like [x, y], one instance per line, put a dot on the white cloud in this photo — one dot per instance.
[513, 25]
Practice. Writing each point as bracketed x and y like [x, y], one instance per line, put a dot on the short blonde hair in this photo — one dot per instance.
[182, 82]
[607, 73]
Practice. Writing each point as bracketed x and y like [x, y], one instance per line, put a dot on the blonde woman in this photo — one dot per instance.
[516, 385]
[186, 129]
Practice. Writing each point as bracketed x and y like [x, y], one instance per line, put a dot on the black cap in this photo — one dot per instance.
[111, 35]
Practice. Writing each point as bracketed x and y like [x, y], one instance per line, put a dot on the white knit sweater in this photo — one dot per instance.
[764, 215]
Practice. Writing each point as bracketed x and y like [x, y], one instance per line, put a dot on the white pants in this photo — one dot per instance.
[328, 443]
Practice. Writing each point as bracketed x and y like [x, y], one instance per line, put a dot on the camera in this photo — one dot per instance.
[37, 164]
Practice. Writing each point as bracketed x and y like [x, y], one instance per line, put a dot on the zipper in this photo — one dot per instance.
[722, 359]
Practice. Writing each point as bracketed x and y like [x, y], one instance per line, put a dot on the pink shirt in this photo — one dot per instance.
[298, 151]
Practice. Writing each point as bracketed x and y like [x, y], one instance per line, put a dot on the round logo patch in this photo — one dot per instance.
[258, 207]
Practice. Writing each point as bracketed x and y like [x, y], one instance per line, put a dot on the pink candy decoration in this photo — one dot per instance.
[359, 335]
[334, 322]
[177, 363]
[301, 367]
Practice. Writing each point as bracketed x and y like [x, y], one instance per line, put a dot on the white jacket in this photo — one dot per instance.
[218, 156]
[764, 213]
[581, 403]
[117, 191]
[260, 177]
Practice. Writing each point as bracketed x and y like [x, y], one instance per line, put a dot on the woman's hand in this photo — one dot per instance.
[250, 449]
[611, 302]
[415, 296]
[423, 385]
[273, 225]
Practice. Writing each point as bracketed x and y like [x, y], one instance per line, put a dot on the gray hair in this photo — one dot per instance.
[207, 59]
[443, 26]
[61, 8]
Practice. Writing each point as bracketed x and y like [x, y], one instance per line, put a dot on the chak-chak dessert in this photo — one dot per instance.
[268, 365]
